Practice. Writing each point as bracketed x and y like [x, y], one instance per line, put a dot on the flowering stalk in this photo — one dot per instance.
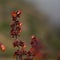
[15, 32]
[36, 44]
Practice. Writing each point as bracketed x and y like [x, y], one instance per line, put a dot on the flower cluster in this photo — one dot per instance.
[16, 15]
[20, 52]
[18, 43]
[36, 47]
[15, 24]
[36, 43]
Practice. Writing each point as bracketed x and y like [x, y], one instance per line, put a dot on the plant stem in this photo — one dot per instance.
[17, 57]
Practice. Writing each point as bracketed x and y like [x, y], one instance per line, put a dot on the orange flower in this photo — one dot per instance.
[14, 14]
[2, 47]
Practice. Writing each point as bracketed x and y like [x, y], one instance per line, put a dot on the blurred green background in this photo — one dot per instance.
[34, 23]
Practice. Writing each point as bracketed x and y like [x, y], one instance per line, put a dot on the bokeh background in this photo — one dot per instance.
[39, 17]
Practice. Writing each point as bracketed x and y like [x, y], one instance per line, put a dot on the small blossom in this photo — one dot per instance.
[20, 24]
[16, 43]
[14, 14]
[18, 52]
[2, 47]
[33, 37]
[37, 43]
[18, 13]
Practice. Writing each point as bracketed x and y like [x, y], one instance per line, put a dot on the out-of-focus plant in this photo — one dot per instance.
[58, 57]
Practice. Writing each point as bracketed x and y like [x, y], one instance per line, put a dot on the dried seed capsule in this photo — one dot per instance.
[14, 16]
[33, 37]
